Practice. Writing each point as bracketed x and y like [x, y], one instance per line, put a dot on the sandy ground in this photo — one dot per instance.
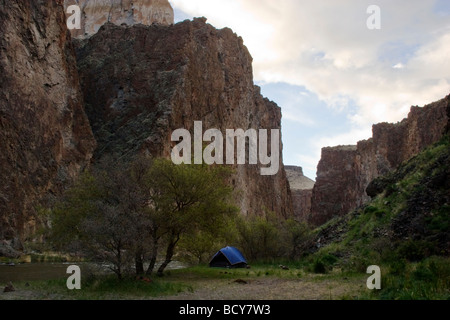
[310, 287]
[273, 289]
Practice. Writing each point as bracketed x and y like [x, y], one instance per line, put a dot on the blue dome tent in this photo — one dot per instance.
[228, 257]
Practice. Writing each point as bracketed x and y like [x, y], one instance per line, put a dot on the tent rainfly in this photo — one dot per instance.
[228, 257]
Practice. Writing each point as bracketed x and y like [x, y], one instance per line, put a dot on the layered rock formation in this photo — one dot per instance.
[345, 172]
[141, 83]
[45, 136]
[301, 192]
[96, 13]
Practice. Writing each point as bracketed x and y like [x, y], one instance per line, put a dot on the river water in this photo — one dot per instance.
[32, 271]
[50, 271]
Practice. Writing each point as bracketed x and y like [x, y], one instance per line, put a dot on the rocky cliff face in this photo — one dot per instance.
[141, 83]
[301, 192]
[45, 136]
[345, 172]
[96, 13]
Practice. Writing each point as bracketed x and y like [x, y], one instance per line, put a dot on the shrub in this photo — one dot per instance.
[415, 250]
[324, 263]
[423, 273]
[319, 267]
[398, 267]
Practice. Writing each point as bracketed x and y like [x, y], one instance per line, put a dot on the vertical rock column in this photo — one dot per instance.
[45, 136]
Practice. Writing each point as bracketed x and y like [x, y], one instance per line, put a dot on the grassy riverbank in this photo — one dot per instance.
[260, 282]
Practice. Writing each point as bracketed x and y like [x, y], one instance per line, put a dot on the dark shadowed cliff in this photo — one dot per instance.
[45, 136]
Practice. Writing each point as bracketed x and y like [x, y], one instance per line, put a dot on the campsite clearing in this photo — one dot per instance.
[267, 284]
[204, 283]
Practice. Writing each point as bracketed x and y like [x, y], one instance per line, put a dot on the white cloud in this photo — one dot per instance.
[299, 118]
[347, 138]
[325, 47]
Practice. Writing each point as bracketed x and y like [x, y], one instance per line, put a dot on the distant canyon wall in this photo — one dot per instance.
[301, 192]
[344, 172]
[95, 13]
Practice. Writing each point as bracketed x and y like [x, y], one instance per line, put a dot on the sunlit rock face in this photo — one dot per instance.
[157, 79]
[95, 13]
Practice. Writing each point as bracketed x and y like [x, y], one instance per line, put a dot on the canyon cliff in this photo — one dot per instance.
[345, 172]
[95, 13]
[301, 192]
[138, 84]
[45, 136]
[141, 83]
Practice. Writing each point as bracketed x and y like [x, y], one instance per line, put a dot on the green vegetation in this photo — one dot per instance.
[403, 280]
[404, 230]
[205, 283]
[268, 238]
[104, 288]
[125, 213]
[149, 210]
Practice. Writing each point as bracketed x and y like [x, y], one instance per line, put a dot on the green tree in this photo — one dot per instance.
[104, 215]
[267, 237]
[258, 237]
[122, 213]
[191, 198]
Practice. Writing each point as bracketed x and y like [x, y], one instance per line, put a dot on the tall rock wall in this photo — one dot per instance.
[96, 13]
[143, 82]
[45, 136]
[345, 172]
[336, 188]
[301, 192]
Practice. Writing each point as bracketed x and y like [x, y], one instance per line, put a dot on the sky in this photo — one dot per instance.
[332, 75]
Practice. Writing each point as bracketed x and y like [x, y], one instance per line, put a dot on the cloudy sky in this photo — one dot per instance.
[332, 76]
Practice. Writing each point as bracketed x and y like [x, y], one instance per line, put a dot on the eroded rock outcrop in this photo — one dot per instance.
[345, 172]
[96, 13]
[143, 82]
[45, 136]
[301, 191]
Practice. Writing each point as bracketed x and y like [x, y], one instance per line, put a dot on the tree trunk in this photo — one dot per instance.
[119, 263]
[153, 257]
[139, 261]
[169, 253]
